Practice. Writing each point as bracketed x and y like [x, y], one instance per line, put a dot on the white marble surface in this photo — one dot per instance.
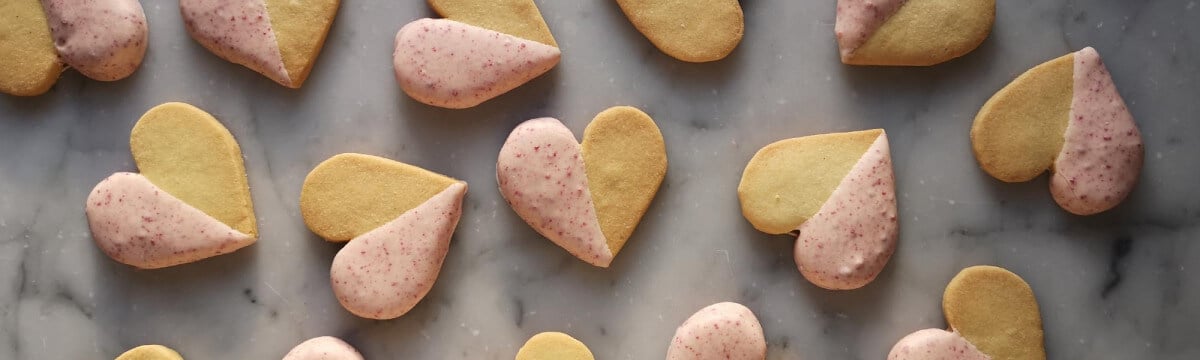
[1120, 285]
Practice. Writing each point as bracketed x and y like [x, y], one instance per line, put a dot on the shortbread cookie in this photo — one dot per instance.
[911, 32]
[454, 65]
[191, 201]
[838, 192]
[150, 352]
[103, 39]
[992, 315]
[554, 346]
[586, 198]
[323, 348]
[720, 331]
[277, 38]
[692, 31]
[520, 18]
[1064, 116]
[388, 267]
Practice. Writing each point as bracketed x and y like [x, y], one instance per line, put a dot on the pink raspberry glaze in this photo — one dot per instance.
[323, 348]
[850, 239]
[454, 65]
[542, 176]
[935, 344]
[238, 31]
[383, 273]
[857, 21]
[1102, 152]
[103, 39]
[136, 223]
[723, 331]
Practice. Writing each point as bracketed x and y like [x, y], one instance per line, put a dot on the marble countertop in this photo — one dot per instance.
[1120, 285]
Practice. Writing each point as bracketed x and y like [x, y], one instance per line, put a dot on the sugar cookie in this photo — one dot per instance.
[323, 348]
[911, 32]
[587, 198]
[554, 346]
[388, 267]
[190, 202]
[838, 191]
[150, 352]
[692, 31]
[720, 331]
[280, 39]
[1064, 116]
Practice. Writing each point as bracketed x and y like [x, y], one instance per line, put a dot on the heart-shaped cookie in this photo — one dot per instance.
[586, 198]
[692, 31]
[277, 38]
[520, 18]
[191, 200]
[323, 348]
[720, 331]
[1064, 116]
[150, 352]
[554, 346]
[399, 220]
[992, 314]
[838, 192]
[455, 65]
[911, 32]
[103, 39]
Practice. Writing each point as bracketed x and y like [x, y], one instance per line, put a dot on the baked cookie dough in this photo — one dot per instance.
[520, 18]
[911, 32]
[1064, 116]
[554, 346]
[688, 30]
[587, 198]
[150, 352]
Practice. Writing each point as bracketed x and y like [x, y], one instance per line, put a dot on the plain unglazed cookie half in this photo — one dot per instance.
[992, 313]
[911, 32]
[587, 198]
[150, 352]
[398, 220]
[191, 200]
[836, 190]
[280, 39]
[1067, 117]
[102, 39]
[554, 346]
[520, 18]
[692, 31]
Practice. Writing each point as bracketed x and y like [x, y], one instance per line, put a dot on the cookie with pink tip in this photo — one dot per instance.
[398, 219]
[992, 315]
[838, 192]
[455, 65]
[277, 38]
[1067, 117]
[585, 197]
[190, 202]
[323, 348]
[102, 39]
[720, 331]
[911, 32]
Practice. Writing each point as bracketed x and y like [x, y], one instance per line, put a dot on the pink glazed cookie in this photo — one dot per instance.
[323, 348]
[723, 331]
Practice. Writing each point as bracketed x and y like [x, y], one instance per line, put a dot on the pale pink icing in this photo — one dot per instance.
[238, 31]
[935, 344]
[383, 273]
[1102, 150]
[139, 224]
[103, 39]
[323, 348]
[850, 239]
[857, 21]
[542, 176]
[454, 65]
[723, 331]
